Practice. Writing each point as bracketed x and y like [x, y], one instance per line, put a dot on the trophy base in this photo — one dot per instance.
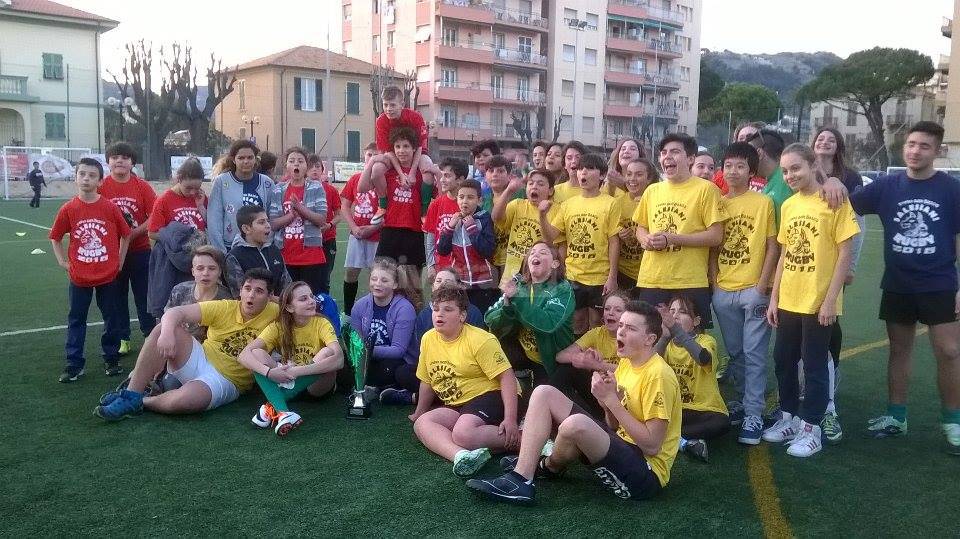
[358, 412]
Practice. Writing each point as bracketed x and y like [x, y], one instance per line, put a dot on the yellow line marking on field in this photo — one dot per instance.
[866, 347]
[765, 496]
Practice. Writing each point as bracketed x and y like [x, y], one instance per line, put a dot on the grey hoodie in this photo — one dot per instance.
[225, 199]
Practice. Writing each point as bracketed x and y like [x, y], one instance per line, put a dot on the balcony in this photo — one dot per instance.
[898, 120]
[475, 11]
[826, 122]
[943, 64]
[519, 58]
[462, 129]
[518, 96]
[621, 108]
[635, 76]
[630, 42]
[640, 9]
[465, 51]
[946, 28]
[515, 18]
[472, 92]
[15, 89]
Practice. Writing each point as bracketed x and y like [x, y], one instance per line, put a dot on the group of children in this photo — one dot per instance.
[574, 296]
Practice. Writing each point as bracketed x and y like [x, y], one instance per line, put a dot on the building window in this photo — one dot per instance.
[307, 94]
[52, 66]
[390, 39]
[353, 144]
[376, 43]
[353, 98]
[685, 74]
[569, 15]
[588, 124]
[851, 141]
[590, 57]
[496, 122]
[308, 139]
[347, 11]
[376, 6]
[566, 88]
[569, 53]
[448, 116]
[448, 77]
[851, 115]
[450, 36]
[684, 102]
[525, 46]
[56, 126]
[566, 122]
[616, 127]
[423, 33]
[589, 91]
[593, 21]
[242, 93]
[681, 129]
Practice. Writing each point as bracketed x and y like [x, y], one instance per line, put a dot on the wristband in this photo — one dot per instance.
[267, 374]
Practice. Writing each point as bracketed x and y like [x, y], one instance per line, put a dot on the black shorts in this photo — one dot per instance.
[701, 297]
[403, 245]
[585, 295]
[626, 472]
[626, 283]
[930, 308]
[488, 407]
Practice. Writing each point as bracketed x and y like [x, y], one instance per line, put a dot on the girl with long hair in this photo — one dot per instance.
[240, 185]
[627, 151]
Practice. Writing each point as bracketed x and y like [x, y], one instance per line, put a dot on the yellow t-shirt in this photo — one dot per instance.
[528, 341]
[600, 340]
[307, 341]
[228, 334]
[522, 220]
[651, 392]
[563, 192]
[810, 232]
[464, 368]
[630, 251]
[745, 234]
[685, 208]
[588, 224]
[698, 383]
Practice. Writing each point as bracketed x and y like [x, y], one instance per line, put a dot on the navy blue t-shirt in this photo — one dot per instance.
[378, 325]
[250, 195]
[920, 219]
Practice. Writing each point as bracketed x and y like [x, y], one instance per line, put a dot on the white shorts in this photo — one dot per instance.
[360, 253]
[222, 391]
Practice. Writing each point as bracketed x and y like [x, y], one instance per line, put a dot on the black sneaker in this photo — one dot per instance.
[509, 463]
[697, 449]
[68, 376]
[114, 369]
[510, 487]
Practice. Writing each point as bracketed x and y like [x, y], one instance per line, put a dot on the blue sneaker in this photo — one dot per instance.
[127, 404]
[394, 396]
[510, 487]
[751, 431]
[736, 412]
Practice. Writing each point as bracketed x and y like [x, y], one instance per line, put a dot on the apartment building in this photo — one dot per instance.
[604, 70]
[950, 156]
[50, 92]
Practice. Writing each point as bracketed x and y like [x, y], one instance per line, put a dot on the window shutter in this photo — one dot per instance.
[319, 93]
[296, 94]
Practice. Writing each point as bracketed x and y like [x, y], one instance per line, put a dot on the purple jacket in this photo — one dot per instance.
[400, 321]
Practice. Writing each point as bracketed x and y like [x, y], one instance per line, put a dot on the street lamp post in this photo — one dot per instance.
[121, 106]
[578, 25]
[251, 121]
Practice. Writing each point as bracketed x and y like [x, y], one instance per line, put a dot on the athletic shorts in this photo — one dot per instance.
[585, 295]
[488, 407]
[626, 283]
[360, 253]
[222, 391]
[701, 297]
[930, 308]
[626, 472]
[403, 245]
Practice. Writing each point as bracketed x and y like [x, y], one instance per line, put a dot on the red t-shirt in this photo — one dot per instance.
[403, 206]
[135, 199]
[365, 205]
[171, 206]
[757, 183]
[294, 253]
[333, 208]
[441, 210]
[408, 118]
[95, 230]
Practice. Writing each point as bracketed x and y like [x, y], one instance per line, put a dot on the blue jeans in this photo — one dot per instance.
[742, 318]
[802, 336]
[134, 274]
[108, 302]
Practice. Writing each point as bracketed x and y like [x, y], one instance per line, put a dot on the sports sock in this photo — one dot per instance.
[520, 477]
[683, 443]
[950, 416]
[274, 393]
[349, 295]
[898, 411]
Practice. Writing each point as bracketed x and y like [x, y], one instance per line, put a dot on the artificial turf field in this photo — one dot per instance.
[66, 472]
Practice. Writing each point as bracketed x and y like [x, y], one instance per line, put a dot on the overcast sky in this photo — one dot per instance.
[241, 30]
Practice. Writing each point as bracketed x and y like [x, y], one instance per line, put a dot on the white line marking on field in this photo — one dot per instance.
[50, 328]
[24, 222]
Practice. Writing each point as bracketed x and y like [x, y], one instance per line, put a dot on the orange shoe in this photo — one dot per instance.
[266, 416]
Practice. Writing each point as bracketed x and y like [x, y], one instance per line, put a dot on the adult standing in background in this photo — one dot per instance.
[35, 177]
[240, 185]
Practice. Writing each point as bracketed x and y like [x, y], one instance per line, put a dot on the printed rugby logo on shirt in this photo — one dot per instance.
[293, 231]
[251, 199]
[303, 354]
[236, 342]
[90, 233]
[736, 241]
[801, 231]
[630, 248]
[403, 195]
[525, 232]
[128, 206]
[188, 216]
[444, 381]
[668, 217]
[914, 236]
[580, 245]
[363, 207]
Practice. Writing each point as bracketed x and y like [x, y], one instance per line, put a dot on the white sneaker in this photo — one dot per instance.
[784, 430]
[286, 422]
[265, 416]
[807, 441]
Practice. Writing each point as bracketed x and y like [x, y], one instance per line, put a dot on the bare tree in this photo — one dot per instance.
[383, 77]
[520, 121]
[220, 83]
[556, 124]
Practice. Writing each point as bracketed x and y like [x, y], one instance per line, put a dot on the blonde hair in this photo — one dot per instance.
[404, 287]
